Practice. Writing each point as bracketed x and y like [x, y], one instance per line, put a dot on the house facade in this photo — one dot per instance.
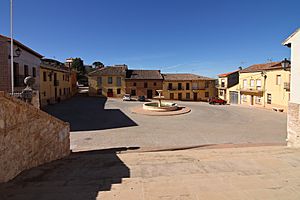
[293, 122]
[143, 83]
[265, 85]
[190, 87]
[227, 87]
[108, 81]
[55, 82]
[26, 63]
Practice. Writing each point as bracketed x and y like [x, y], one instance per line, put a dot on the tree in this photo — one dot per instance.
[78, 65]
[98, 64]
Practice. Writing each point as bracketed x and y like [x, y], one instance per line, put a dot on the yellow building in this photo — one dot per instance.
[108, 81]
[227, 87]
[265, 85]
[55, 82]
[188, 87]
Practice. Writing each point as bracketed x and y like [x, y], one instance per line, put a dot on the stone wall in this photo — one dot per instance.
[293, 129]
[28, 137]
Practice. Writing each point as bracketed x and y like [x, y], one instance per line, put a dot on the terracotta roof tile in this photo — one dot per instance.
[227, 74]
[185, 77]
[144, 74]
[110, 70]
[262, 67]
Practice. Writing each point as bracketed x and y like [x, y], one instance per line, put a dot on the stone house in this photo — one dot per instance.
[143, 82]
[265, 85]
[227, 87]
[26, 63]
[55, 82]
[188, 87]
[108, 81]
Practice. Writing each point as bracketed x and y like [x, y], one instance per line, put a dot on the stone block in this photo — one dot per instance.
[293, 125]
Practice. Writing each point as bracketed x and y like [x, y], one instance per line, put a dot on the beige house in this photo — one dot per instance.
[190, 87]
[55, 82]
[227, 87]
[265, 85]
[26, 63]
[108, 81]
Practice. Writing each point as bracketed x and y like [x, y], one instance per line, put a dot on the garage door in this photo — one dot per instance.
[234, 97]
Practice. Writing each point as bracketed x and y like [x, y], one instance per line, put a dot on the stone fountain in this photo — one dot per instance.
[160, 106]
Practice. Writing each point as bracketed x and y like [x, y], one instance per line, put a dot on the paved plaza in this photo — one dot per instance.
[99, 123]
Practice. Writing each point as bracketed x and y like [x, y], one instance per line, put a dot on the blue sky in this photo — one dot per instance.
[206, 37]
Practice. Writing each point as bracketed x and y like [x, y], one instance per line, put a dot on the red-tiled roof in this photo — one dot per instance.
[227, 74]
[16, 42]
[144, 74]
[262, 67]
[110, 70]
[185, 77]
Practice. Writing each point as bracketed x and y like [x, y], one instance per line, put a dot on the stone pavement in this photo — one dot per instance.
[264, 173]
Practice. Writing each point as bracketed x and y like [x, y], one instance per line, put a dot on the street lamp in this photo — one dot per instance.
[285, 63]
[18, 52]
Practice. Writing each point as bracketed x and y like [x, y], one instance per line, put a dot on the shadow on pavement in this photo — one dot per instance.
[79, 176]
[88, 113]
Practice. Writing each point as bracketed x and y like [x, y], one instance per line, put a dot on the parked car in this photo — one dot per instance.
[217, 100]
[141, 98]
[127, 97]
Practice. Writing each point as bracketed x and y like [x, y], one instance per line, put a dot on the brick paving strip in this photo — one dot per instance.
[266, 172]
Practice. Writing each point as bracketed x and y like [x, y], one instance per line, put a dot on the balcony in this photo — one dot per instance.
[287, 86]
[56, 83]
[252, 91]
[175, 88]
[198, 88]
[19, 80]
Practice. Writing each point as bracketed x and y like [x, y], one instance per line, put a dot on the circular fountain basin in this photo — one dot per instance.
[165, 106]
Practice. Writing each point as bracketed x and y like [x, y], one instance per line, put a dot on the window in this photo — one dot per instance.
[134, 84]
[206, 94]
[278, 80]
[179, 86]
[258, 100]
[99, 81]
[206, 84]
[170, 86]
[154, 84]
[119, 81]
[64, 91]
[44, 76]
[258, 84]
[63, 77]
[59, 91]
[269, 98]
[187, 95]
[171, 95]
[223, 83]
[221, 93]
[44, 93]
[119, 91]
[244, 98]
[133, 92]
[252, 83]
[245, 83]
[109, 80]
[187, 86]
[33, 72]
[145, 85]
[26, 73]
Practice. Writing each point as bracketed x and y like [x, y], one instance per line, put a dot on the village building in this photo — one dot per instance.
[26, 63]
[108, 81]
[189, 87]
[143, 83]
[227, 87]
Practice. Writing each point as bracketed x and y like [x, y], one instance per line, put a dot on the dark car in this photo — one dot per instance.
[141, 98]
[217, 100]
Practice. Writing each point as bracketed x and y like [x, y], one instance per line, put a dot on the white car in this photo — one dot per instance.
[127, 97]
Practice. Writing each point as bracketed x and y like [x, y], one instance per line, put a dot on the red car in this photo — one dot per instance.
[217, 100]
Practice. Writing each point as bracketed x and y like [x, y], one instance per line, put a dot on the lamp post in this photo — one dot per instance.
[11, 47]
[285, 63]
[263, 74]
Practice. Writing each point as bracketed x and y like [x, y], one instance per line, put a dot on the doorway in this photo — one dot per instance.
[195, 96]
[252, 100]
[179, 96]
[149, 94]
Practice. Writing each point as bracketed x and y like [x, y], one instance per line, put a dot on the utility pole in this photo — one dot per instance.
[11, 47]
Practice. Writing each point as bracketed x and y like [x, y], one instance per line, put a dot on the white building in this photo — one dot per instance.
[293, 137]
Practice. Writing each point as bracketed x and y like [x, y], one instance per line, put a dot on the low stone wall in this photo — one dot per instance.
[28, 137]
[293, 125]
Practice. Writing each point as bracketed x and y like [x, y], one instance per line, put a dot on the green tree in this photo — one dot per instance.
[98, 64]
[78, 65]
